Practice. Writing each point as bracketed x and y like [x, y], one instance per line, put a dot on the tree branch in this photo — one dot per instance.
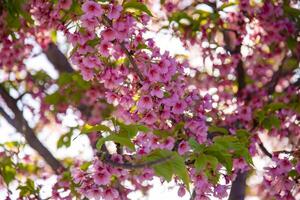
[193, 195]
[240, 71]
[58, 59]
[238, 187]
[108, 23]
[271, 85]
[128, 165]
[229, 39]
[22, 126]
[264, 150]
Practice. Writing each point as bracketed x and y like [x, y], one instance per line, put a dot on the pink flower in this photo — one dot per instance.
[179, 107]
[65, 4]
[95, 193]
[156, 91]
[181, 191]
[102, 177]
[92, 9]
[239, 163]
[145, 103]
[169, 143]
[153, 75]
[108, 35]
[183, 147]
[171, 101]
[145, 19]
[150, 118]
[91, 61]
[147, 174]
[126, 102]
[85, 49]
[110, 194]
[169, 6]
[284, 166]
[87, 74]
[89, 23]
[207, 102]
[104, 48]
[111, 98]
[163, 66]
[121, 29]
[165, 113]
[114, 11]
[77, 175]
[220, 191]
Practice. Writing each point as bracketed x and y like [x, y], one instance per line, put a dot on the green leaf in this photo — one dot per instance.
[137, 6]
[93, 42]
[175, 165]
[291, 43]
[243, 135]
[163, 133]
[221, 153]
[64, 78]
[85, 166]
[274, 107]
[12, 144]
[260, 115]
[218, 129]
[291, 64]
[99, 127]
[270, 122]
[28, 189]
[293, 12]
[9, 174]
[226, 5]
[64, 140]
[200, 162]
[54, 99]
[131, 130]
[179, 169]
[293, 174]
[179, 126]
[213, 161]
[228, 143]
[117, 139]
[195, 145]
[179, 16]
[164, 170]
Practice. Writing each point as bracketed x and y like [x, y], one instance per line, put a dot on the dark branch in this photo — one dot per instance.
[193, 195]
[22, 126]
[240, 73]
[127, 165]
[238, 187]
[132, 61]
[264, 150]
[271, 85]
[58, 59]
[229, 39]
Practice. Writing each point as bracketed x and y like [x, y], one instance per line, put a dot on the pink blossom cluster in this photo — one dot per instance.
[102, 181]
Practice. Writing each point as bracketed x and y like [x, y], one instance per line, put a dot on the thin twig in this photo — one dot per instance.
[128, 165]
[264, 150]
[108, 23]
[193, 195]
